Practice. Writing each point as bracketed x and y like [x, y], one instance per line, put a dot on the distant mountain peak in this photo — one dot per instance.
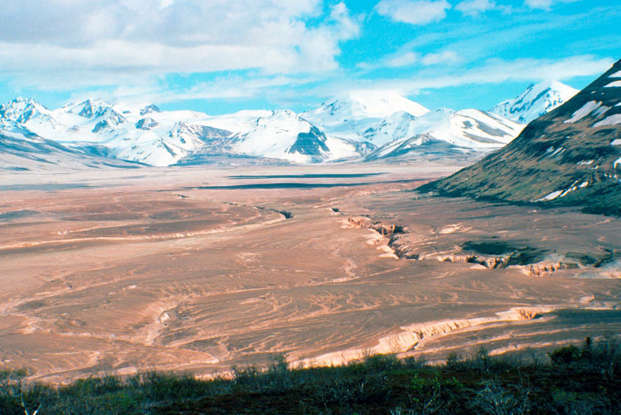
[355, 115]
[21, 110]
[536, 100]
[149, 109]
[371, 104]
[90, 109]
[87, 108]
[26, 100]
[22, 102]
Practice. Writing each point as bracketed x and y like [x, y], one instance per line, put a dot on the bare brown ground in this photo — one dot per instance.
[151, 272]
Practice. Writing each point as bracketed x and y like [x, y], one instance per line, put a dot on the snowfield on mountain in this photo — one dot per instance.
[446, 131]
[357, 126]
[536, 100]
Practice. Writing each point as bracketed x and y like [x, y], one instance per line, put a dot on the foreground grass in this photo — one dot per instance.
[572, 380]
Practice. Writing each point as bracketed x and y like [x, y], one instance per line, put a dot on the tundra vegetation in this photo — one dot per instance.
[568, 380]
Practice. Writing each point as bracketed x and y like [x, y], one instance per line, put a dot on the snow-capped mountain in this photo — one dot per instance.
[161, 138]
[361, 125]
[450, 132]
[365, 104]
[26, 116]
[366, 116]
[281, 134]
[142, 134]
[21, 149]
[394, 127]
[536, 100]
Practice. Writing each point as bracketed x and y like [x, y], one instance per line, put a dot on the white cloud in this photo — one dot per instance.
[493, 71]
[229, 87]
[496, 71]
[99, 39]
[475, 7]
[348, 27]
[416, 12]
[446, 57]
[405, 59]
[394, 60]
[545, 4]
[409, 58]
[538, 4]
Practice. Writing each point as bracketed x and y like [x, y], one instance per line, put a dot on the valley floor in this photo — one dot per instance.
[191, 269]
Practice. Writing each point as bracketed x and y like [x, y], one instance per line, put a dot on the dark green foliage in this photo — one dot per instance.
[565, 355]
[576, 380]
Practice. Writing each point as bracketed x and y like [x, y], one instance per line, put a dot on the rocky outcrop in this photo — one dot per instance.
[410, 337]
[390, 232]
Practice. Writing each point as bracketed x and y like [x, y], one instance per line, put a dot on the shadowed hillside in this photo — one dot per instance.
[570, 156]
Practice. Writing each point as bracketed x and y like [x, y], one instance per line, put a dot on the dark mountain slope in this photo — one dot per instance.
[570, 156]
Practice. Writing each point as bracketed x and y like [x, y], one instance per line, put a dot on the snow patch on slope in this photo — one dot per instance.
[562, 193]
[458, 131]
[586, 109]
[611, 120]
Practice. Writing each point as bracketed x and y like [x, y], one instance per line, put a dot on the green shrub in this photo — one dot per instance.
[565, 355]
[576, 380]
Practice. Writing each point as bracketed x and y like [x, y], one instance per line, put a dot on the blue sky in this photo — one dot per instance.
[220, 56]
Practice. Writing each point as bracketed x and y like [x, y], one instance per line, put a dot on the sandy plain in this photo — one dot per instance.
[199, 270]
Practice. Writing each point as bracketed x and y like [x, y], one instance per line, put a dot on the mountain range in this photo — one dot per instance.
[360, 125]
[569, 156]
